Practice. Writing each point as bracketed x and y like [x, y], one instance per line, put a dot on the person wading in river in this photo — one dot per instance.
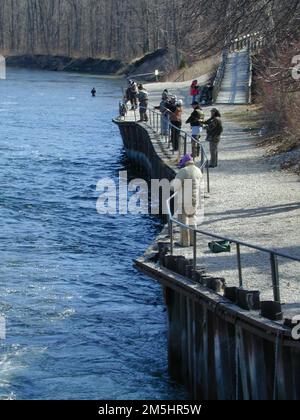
[214, 132]
[93, 92]
[187, 185]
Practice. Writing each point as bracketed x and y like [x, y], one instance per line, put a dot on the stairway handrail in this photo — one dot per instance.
[220, 75]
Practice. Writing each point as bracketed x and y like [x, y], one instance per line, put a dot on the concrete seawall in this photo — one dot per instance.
[143, 147]
[216, 348]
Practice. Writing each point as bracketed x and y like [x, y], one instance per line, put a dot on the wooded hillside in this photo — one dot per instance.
[128, 29]
[123, 29]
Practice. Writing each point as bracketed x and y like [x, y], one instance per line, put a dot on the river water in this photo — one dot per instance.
[82, 323]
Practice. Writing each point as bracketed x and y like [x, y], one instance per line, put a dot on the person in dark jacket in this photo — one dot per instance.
[176, 121]
[93, 92]
[214, 132]
[143, 98]
[196, 121]
[171, 108]
[164, 112]
[210, 91]
[132, 94]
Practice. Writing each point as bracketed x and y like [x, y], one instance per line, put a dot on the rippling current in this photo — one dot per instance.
[82, 323]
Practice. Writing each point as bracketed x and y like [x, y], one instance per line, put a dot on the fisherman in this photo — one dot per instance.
[132, 94]
[196, 121]
[164, 112]
[187, 185]
[165, 95]
[176, 121]
[93, 92]
[143, 98]
[214, 132]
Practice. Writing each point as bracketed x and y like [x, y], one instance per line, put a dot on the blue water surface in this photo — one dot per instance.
[82, 323]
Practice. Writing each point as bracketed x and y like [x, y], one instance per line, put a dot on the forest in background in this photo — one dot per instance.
[190, 29]
[130, 29]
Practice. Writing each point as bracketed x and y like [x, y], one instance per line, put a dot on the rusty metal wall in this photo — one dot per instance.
[218, 359]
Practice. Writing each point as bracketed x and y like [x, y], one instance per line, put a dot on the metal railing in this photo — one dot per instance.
[254, 42]
[155, 123]
[273, 255]
[180, 78]
[217, 84]
[186, 142]
[250, 70]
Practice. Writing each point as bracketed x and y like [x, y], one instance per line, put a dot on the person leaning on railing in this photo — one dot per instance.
[143, 98]
[187, 185]
[132, 94]
[164, 113]
[176, 121]
[196, 121]
[214, 132]
[171, 107]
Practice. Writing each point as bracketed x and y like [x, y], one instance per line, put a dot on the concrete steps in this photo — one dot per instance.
[234, 89]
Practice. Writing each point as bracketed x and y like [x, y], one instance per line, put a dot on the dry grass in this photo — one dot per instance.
[248, 116]
[197, 69]
[280, 143]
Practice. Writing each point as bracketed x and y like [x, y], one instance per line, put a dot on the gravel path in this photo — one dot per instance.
[251, 200]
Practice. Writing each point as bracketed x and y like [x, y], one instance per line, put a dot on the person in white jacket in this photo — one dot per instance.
[187, 185]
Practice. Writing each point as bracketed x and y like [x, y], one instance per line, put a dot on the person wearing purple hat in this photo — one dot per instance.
[187, 186]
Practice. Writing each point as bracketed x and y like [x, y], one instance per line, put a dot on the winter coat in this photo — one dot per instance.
[214, 129]
[197, 118]
[176, 116]
[188, 197]
[134, 89]
[143, 97]
[195, 90]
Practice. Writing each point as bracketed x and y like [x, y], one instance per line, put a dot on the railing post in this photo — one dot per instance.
[238, 249]
[179, 144]
[195, 250]
[171, 236]
[208, 177]
[275, 278]
[202, 155]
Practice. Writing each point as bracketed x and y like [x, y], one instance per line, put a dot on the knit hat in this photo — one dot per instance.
[186, 159]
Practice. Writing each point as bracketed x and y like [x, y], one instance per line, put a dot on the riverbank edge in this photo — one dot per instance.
[88, 65]
[188, 303]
